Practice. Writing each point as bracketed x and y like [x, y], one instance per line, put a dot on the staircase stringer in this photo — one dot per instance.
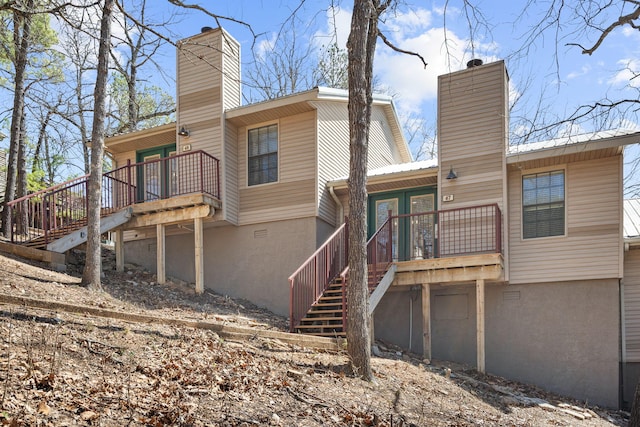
[79, 236]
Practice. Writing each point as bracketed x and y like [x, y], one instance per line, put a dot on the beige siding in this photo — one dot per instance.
[382, 149]
[472, 125]
[230, 174]
[231, 87]
[333, 149]
[632, 305]
[122, 158]
[207, 67]
[591, 248]
[333, 153]
[294, 195]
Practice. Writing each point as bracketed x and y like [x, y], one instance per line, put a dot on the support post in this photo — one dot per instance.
[199, 258]
[160, 253]
[480, 324]
[426, 321]
[119, 250]
[372, 332]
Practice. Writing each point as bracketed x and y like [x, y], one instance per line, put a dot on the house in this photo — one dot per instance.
[511, 259]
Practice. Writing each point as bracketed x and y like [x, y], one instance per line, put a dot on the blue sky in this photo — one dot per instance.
[549, 85]
[560, 83]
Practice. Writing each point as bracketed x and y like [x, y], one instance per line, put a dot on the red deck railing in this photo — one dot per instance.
[312, 278]
[53, 212]
[446, 233]
[435, 234]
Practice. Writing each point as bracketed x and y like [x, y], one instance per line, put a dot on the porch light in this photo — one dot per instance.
[183, 131]
[452, 174]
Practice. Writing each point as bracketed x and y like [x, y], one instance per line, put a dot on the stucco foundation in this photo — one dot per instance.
[251, 262]
[563, 337]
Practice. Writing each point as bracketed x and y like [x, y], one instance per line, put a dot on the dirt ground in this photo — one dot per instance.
[64, 369]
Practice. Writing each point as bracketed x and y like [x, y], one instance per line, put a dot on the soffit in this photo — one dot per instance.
[563, 158]
[269, 114]
[140, 140]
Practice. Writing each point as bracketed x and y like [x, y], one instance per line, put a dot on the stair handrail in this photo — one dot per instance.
[311, 279]
[40, 218]
[375, 269]
[380, 252]
[345, 277]
[48, 190]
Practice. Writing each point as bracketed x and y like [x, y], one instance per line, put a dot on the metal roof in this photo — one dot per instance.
[397, 168]
[568, 141]
[631, 218]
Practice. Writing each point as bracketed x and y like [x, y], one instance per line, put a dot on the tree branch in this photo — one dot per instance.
[397, 49]
[625, 19]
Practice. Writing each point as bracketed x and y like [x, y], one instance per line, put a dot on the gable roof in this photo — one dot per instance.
[303, 101]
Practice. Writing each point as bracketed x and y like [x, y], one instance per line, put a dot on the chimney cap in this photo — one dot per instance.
[474, 63]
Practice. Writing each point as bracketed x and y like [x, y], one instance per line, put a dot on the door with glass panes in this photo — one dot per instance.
[157, 179]
[414, 228]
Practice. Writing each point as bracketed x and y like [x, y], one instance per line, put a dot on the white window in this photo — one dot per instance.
[263, 155]
[543, 212]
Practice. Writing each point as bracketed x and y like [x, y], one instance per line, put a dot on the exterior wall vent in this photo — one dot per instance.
[474, 63]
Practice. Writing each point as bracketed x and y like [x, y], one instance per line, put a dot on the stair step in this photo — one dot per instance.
[329, 301]
[312, 311]
[322, 327]
[323, 319]
[327, 334]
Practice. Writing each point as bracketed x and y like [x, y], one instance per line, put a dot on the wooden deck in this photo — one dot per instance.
[177, 209]
[449, 271]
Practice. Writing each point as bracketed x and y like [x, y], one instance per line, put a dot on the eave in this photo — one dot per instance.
[615, 142]
[139, 140]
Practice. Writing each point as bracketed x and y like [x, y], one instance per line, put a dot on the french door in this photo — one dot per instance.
[157, 179]
[413, 235]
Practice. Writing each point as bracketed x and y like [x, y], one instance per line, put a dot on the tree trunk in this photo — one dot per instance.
[92, 268]
[21, 38]
[361, 46]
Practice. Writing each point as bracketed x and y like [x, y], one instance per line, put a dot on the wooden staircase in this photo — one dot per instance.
[325, 317]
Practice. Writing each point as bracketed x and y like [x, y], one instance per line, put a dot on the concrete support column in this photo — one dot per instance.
[199, 255]
[160, 253]
[426, 321]
[480, 325]
[119, 250]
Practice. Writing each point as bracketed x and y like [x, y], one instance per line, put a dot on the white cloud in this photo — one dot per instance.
[338, 26]
[404, 75]
[575, 74]
[628, 73]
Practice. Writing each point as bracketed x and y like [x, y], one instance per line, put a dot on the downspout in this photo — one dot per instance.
[339, 203]
[623, 345]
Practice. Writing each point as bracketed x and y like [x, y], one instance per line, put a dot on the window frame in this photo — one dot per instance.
[525, 173]
[249, 157]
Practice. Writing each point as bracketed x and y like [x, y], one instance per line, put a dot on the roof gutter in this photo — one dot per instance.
[339, 203]
[631, 242]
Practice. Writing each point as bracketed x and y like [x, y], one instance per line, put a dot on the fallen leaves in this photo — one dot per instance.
[79, 370]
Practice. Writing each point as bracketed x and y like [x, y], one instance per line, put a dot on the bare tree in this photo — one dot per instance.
[333, 66]
[282, 65]
[92, 271]
[137, 49]
[361, 47]
[21, 41]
